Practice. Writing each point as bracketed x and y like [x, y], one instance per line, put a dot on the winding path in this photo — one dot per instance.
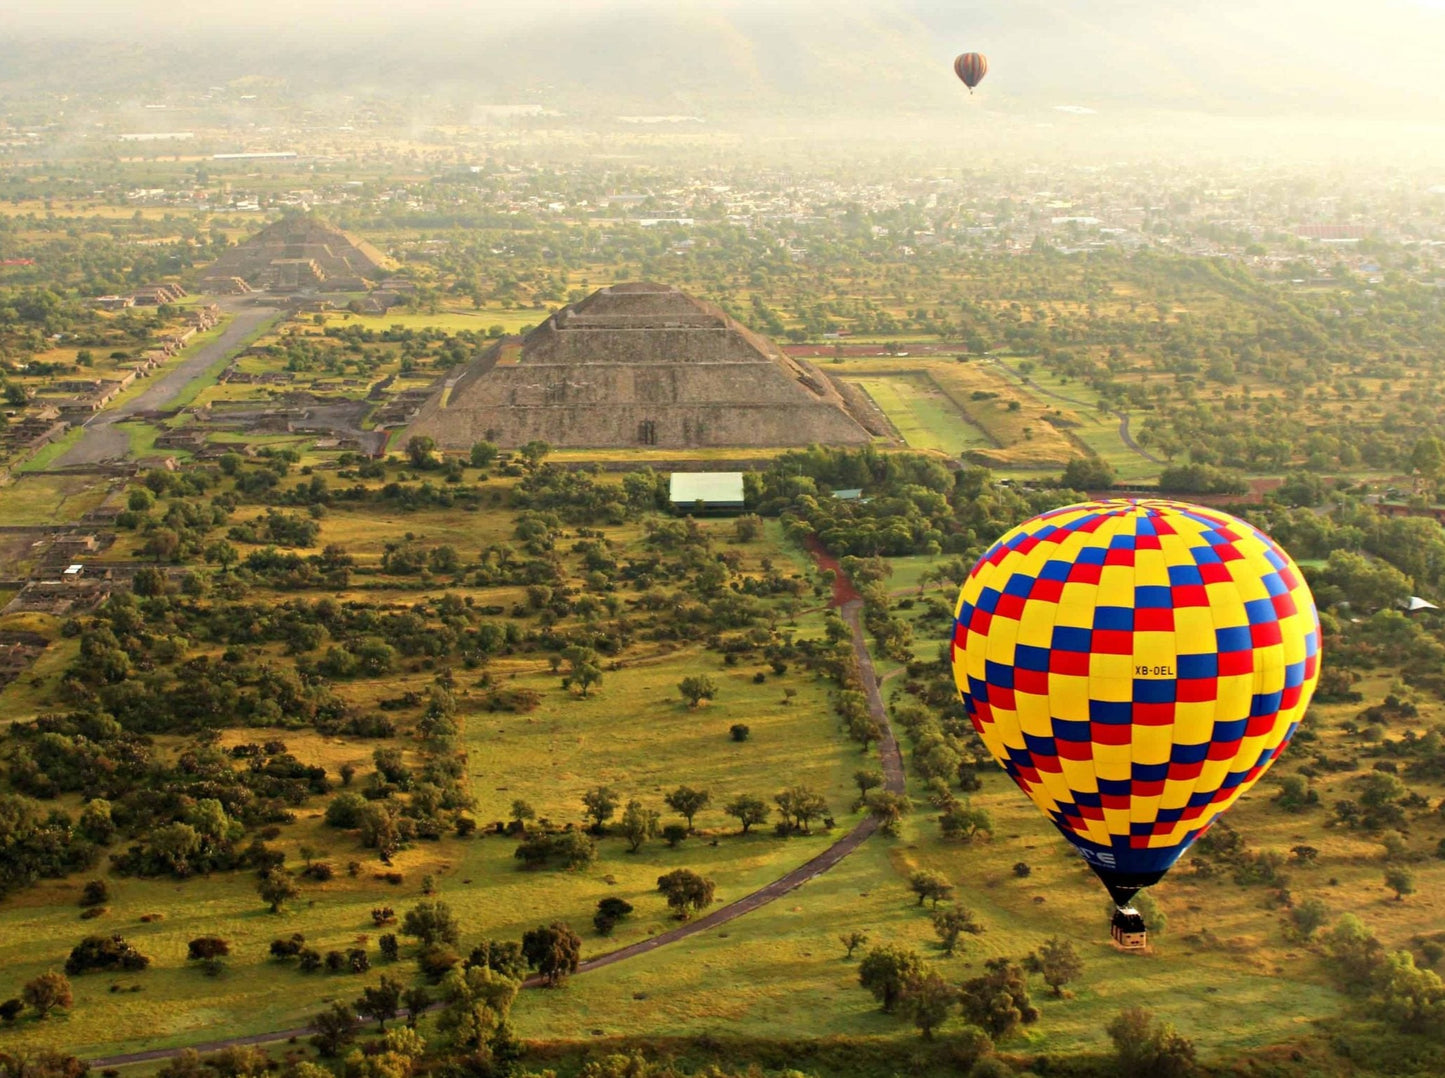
[1122, 417]
[893, 781]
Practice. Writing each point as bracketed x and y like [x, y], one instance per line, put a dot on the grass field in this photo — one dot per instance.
[34, 498]
[923, 415]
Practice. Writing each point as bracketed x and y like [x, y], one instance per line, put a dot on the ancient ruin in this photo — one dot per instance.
[637, 364]
[298, 254]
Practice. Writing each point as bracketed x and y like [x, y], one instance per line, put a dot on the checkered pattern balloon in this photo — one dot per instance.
[1135, 666]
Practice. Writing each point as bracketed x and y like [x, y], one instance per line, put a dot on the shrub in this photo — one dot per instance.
[105, 953]
[95, 893]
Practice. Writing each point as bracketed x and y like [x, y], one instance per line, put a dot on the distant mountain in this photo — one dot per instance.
[1262, 57]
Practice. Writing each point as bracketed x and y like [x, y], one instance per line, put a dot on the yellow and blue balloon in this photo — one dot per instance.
[1135, 666]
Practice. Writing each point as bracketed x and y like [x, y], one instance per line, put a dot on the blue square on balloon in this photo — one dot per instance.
[1260, 612]
[1294, 675]
[1228, 730]
[1072, 730]
[988, 600]
[1204, 555]
[1149, 772]
[1072, 638]
[1265, 703]
[1019, 585]
[1274, 585]
[1111, 712]
[999, 675]
[1189, 754]
[1028, 657]
[1236, 638]
[1184, 575]
[1122, 542]
[1088, 800]
[1153, 597]
[1153, 690]
[1091, 555]
[1055, 569]
[1116, 787]
[1199, 666]
[1117, 618]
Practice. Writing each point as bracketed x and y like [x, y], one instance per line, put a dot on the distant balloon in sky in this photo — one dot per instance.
[1135, 666]
[971, 67]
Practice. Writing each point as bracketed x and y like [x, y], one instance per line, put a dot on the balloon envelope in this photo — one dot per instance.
[971, 67]
[1135, 666]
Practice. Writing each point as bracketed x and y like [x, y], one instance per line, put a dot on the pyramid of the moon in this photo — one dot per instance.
[302, 252]
[637, 364]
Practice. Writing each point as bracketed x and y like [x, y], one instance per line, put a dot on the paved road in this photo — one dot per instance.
[102, 441]
[1122, 417]
[893, 780]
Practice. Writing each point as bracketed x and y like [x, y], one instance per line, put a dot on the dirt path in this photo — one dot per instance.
[102, 441]
[893, 781]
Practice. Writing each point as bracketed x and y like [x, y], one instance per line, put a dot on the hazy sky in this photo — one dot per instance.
[1347, 58]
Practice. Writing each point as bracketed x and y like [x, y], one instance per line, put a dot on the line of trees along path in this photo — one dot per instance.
[893, 781]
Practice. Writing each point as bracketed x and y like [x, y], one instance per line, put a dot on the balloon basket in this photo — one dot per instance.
[1128, 929]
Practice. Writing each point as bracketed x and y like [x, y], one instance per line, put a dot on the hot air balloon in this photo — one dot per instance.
[1135, 666]
[971, 67]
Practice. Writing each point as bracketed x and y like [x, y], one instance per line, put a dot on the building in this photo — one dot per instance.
[638, 364]
[706, 492]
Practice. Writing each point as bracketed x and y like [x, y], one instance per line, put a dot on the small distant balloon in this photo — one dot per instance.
[971, 67]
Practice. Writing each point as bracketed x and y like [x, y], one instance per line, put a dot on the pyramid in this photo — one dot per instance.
[637, 364]
[302, 252]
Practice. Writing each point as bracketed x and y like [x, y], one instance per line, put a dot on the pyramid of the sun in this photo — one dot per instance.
[637, 364]
[302, 252]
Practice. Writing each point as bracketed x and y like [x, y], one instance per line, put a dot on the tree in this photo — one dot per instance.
[852, 941]
[686, 891]
[475, 1004]
[888, 809]
[1401, 880]
[417, 1000]
[1088, 473]
[420, 450]
[998, 1002]
[799, 805]
[521, 813]
[687, 802]
[927, 1000]
[584, 677]
[638, 825]
[483, 454]
[748, 810]
[961, 821]
[535, 452]
[696, 689]
[208, 951]
[601, 805]
[1413, 999]
[929, 885]
[46, 992]
[950, 924]
[276, 888]
[1149, 1049]
[431, 922]
[335, 1029]
[380, 1001]
[1309, 916]
[10, 1010]
[1057, 962]
[867, 779]
[554, 951]
[887, 971]
[609, 912]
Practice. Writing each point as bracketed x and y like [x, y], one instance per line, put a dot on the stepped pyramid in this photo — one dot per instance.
[302, 252]
[637, 364]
